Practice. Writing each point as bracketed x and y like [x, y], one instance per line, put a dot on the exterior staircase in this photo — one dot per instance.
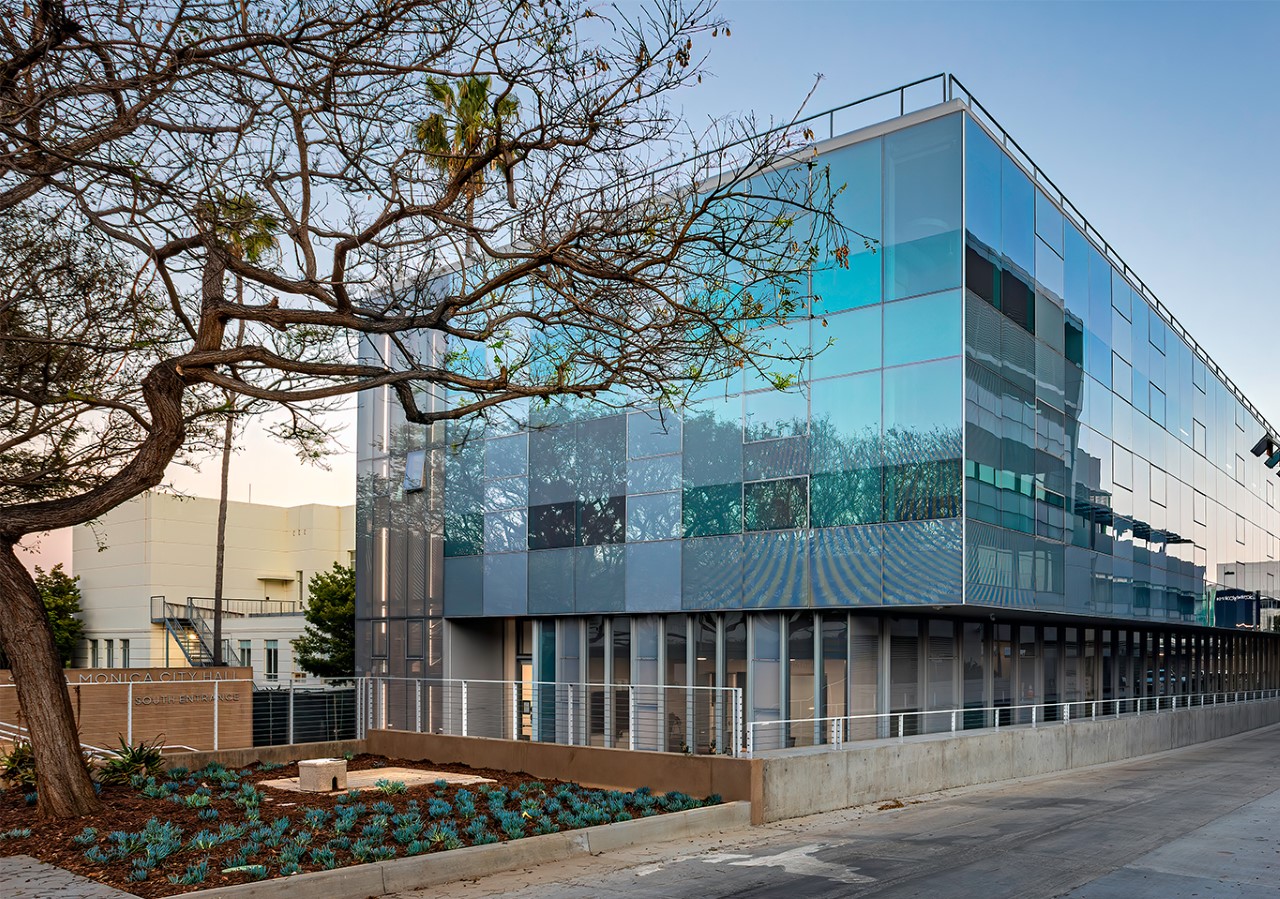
[191, 626]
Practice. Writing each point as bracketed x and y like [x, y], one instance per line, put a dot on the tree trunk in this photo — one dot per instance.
[221, 551]
[63, 782]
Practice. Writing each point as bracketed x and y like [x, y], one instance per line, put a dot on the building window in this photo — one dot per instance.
[246, 653]
[93, 653]
[273, 660]
[302, 590]
[124, 653]
[111, 653]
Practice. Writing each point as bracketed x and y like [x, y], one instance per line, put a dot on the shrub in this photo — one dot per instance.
[465, 803]
[315, 818]
[207, 814]
[383, 808]
[16, 833]
[438, 808]
[86, 837]
[324, 857]
[144, 759]
[391, 787]
[194, 874]
[18, 766]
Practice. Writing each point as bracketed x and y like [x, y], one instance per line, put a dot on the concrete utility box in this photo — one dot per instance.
[322, 775]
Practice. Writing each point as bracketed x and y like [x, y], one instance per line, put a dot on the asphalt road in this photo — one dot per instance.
[1202, 821]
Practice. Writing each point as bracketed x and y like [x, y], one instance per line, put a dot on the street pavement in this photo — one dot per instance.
[1202, 821]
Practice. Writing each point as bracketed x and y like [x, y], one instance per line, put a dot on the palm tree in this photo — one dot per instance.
[250, 235]
[469, 124]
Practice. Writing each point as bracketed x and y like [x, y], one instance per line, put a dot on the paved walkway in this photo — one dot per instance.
[1202, 821]
[22, 877]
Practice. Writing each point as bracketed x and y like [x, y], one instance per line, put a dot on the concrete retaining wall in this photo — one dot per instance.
[806, 784]
[238, 758]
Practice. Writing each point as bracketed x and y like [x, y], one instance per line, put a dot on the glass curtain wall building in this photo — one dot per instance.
[1006, 476]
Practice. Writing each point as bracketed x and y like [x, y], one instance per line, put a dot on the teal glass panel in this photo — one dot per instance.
[846, 423]
[653, 475]
[845, 451]
[1121, 377]
[711, 511]
[855, 171]
[982, 185]
[923, 183]
[846, 343]
[776, 413]
[1017, 207]
[923, 411]
[844, 498]
[921, 490]
[776, 505]
[463, 532]
[922, 328]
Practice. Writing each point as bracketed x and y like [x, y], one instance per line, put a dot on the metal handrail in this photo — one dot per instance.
[893, 725]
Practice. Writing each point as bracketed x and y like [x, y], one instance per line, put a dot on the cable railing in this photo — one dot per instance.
[691, 720]
[837, 731]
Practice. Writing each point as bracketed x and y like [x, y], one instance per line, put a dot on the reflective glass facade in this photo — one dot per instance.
[1003, 475]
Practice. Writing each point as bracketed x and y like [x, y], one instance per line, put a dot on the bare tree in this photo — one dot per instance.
[624, 256]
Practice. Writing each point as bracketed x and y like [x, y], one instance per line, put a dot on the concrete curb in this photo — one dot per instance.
[379, 878]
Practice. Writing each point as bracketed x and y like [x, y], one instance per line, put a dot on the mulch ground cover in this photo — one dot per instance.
[169, 842]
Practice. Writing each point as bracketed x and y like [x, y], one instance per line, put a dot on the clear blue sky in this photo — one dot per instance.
[1160, 121]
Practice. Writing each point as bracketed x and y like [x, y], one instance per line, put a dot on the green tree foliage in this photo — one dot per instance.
[327, 648]
[60, 594]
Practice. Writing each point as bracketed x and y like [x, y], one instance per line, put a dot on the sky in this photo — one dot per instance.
[1160, 121]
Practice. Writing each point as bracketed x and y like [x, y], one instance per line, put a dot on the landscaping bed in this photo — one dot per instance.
[179, 831]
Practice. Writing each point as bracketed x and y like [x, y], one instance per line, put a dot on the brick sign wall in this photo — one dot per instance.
[138, 704]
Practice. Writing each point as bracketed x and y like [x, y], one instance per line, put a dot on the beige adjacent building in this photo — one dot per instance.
[146, 574]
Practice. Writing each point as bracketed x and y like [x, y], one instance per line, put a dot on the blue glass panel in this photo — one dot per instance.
[922, 563]
[653, 577]
[847, 566]
[464, 586]
[1050, 272]
[602, 521]
[601, 457]
[922, 328]
[845, 451]
[776, 570]
[1121, 377]
[857, 169]
[769, 459]
[982, 186]
[1157, 405]
[1121, 336]
[506, 584]
[713, 442]
[506, 456]
[1049, 223]
[551, 582]
[552, 473]
[846, 343]
[776, 413]
[508, 493]
[505, 531]
[599, 581]
[1018, 210]
[654, 474]
[1075, 282]
[1099, 319]
[711, 573]
[922, 208]
[651, 434]
[655, 516]
[1120, 294]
